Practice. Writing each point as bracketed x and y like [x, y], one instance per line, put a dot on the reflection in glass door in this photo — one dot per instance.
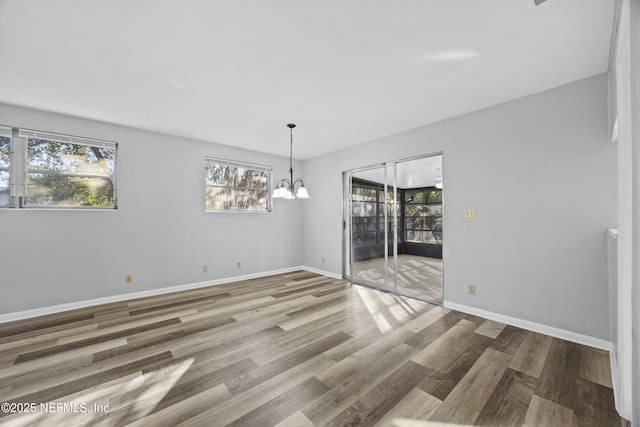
[393, 227]
[369, 236]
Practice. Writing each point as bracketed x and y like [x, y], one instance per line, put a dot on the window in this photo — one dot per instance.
[69, 172]
[237, 187]
[40, 169]
[5, 165]
[419, 213]
[368, 206]
[423, 216]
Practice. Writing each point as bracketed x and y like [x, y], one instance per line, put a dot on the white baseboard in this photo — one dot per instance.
[26, 314]
[533, 326]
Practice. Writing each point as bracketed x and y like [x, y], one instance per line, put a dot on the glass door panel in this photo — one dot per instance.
[369, 239]
[419, 259]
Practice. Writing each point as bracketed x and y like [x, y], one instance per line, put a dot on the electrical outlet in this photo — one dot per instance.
[472, 289]
[469, 213]
[238, 264]
[323, 260]
[205, 268]
[128, 278]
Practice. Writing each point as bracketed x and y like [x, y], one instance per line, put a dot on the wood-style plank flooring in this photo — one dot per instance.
[298, 350]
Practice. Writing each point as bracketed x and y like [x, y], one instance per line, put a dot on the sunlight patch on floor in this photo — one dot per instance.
[132, 397]
[156, 386]
[372, 306]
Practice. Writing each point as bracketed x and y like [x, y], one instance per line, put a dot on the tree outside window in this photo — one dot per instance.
[69, 174]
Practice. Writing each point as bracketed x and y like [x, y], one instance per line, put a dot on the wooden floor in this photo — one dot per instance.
[299, 350]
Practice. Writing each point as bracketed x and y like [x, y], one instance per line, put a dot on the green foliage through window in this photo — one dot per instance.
[41, 169]
[69, 173]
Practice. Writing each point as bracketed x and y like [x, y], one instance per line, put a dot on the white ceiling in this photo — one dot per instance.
[237, 71]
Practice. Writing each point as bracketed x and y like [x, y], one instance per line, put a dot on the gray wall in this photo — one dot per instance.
[542, 178]
[160, 233]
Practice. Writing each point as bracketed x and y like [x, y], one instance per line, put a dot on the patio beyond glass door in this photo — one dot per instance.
[393, 227]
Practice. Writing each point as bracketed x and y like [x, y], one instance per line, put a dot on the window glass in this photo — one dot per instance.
[232, 186]
[423, 216]
[69, 173]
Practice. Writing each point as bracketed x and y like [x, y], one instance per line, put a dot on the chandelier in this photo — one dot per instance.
[286, 187]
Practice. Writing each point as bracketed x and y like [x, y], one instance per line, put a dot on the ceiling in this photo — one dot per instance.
[236, 72]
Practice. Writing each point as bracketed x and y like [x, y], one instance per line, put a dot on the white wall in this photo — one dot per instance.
[540, 174]
[160, 233]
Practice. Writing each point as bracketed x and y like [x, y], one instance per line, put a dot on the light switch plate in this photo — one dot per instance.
[470, 213]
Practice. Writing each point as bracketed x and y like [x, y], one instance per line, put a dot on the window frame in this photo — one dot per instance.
[239, 164]
[7, 132]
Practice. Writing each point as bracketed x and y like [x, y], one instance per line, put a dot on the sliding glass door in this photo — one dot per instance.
[393, 227]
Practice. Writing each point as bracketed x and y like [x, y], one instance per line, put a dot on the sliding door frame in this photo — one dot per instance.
[347, 226]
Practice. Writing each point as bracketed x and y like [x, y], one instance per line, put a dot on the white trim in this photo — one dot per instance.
[533, 326]
[615, 383]
[627, 213]
[42, 311]
[67, 139]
